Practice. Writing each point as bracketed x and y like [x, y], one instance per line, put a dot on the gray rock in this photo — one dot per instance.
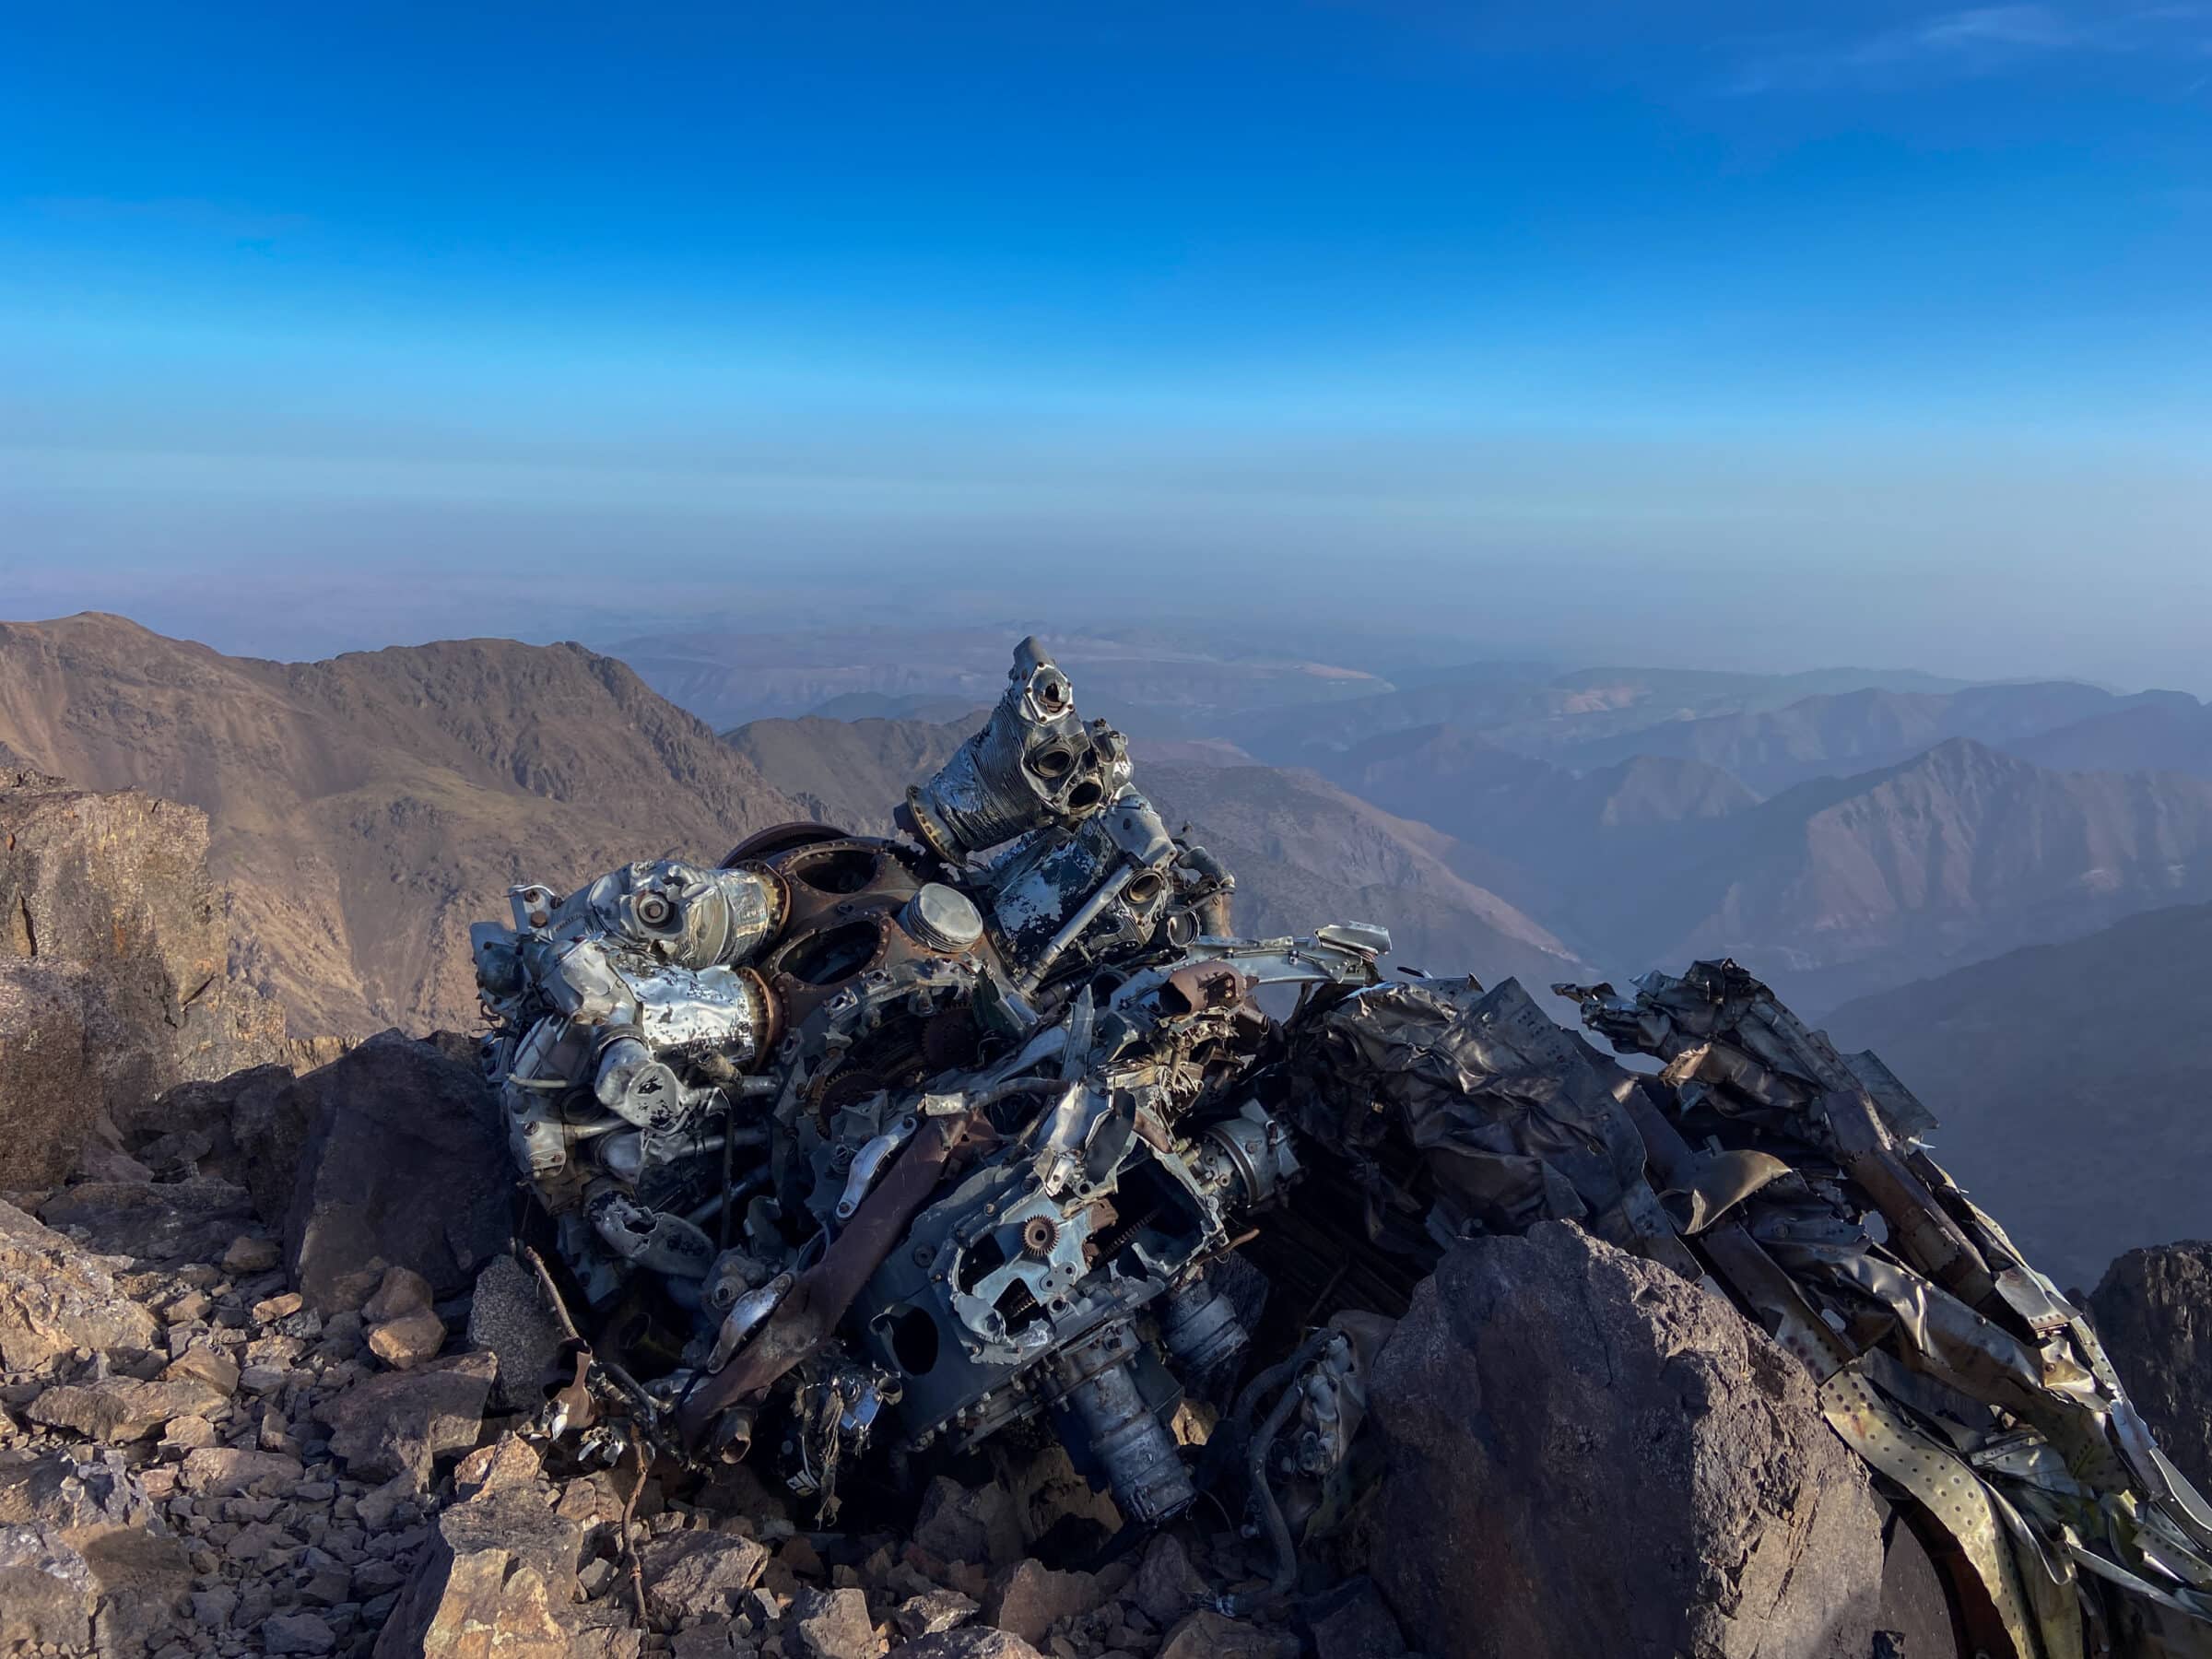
[296, 1633]
[2153, 1311]
[1590, 1456]
[155, 1222]
[697, 1574]
[62, 1490]
[47, 1591]
[110, 930]
[963, 1523]
[1029, 1598]
[932, 1612]
[508, 1317]
[394, 1138]
[401, 1422]
[54, 1297]
[498, 1576]
[834, 1624]
[120, 1408]
[1167, 1587]
[970, 1642]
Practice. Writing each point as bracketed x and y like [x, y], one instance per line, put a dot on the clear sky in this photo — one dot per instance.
[1700, 332]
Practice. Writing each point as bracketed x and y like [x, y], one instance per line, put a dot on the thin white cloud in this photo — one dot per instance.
[1969, 43]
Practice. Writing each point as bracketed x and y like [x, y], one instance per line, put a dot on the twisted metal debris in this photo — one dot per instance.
[858, 1145]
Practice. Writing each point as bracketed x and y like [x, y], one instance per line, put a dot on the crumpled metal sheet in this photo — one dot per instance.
[1515, 1123]
[1953, 1367]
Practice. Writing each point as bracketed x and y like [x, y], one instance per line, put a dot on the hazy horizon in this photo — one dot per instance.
[1622, 336]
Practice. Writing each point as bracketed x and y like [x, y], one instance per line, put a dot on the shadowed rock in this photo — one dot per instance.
[1592, 1458]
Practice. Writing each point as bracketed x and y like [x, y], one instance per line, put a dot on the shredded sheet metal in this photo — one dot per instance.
[1960, 1374]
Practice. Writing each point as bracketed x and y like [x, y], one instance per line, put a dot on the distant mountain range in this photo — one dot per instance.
[1860, 731]
[2071, 1083]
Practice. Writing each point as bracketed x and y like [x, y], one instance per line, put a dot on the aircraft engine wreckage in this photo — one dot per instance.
[857, 1148]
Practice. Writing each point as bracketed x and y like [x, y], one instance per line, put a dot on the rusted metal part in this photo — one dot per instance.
[807, 1316]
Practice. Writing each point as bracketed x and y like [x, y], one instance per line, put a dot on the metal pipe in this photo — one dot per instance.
[1108, 890]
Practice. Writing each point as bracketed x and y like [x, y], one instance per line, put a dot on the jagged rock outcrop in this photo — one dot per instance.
[1592, 1458]
[114, 984]
[55, 1298]
[2153, 1312]
[401, 1155]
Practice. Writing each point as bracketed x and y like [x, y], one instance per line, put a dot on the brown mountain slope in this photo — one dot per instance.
[850, 772]
[2071, 1081]
[365, 809]
[1844, 886]
[1305, 852]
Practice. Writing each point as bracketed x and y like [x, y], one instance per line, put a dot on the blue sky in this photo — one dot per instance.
[1883, 335]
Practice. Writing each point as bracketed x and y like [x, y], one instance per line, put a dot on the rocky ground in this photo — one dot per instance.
[229, 1428]
[268, 1374]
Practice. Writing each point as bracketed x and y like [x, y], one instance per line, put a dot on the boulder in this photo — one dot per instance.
[235, 1471]
[191, 1220]
[53, 1099]
[401, 1154]
[119, 1584]
[497, 1576]
[1167, 1587]
[118, 1409]
[400, 1423]
[65, 1490]
[2153, 1311]
[1029, 1598]
[106, 898]
[47, 1592]
[969, 1642]
[1589, 1457]
[697, 1574]
[54, 1297]
[507, 1315]
[969, 1524]
[834, 1624]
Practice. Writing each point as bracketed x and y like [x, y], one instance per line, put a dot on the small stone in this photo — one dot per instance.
[932, 1612]
[261, 1379]
[1029, 1599]
[1207, 1634]
[229, 1472]
[211, 1609]
[967, 1642]
[249, 1254]
[201, 1363]
[834, 1624]
[508, 1460]
[296, 1633]
[278, 1307]
[402, 1292]
[188, 1309]
[185, 1434]
[1167, 1587]
[408, 1340]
